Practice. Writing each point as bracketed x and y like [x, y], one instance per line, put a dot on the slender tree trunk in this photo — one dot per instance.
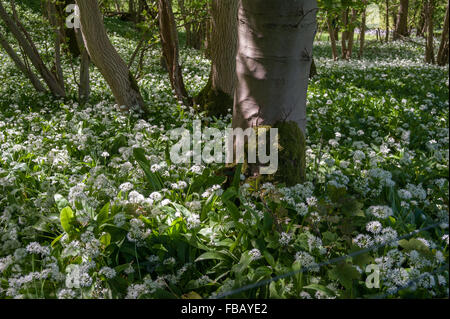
[421, 25]
[102, 53]
[21, 66]
[387, 21]
[84, 89]
[351, 34]
[344, 35]
[401, 26]
[53, 18]
[443, 54]
[169, 40]
[275, 42]
[30, 50]
[332, 34]
[429, 50]
[362, 31]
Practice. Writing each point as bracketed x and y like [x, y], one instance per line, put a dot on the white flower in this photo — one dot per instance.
[374, 227]
[255, 254]
[382, 212]
[155, 196]
[125, 187]
[307, 261]
[285, 239]
[107, 272]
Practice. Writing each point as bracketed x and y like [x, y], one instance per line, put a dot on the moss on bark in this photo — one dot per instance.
[291, 155]
[213, 102]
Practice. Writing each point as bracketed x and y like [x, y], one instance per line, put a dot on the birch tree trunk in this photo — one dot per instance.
[170, 46]
[275, 41]
[102, 53]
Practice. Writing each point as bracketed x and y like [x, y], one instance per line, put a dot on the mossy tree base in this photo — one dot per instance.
[291, 156]
[213, 102]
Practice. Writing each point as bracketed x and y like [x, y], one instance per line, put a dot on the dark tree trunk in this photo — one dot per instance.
[401, 26]
[443, 54]
[429, 49]
[170, 46]
[31, 52]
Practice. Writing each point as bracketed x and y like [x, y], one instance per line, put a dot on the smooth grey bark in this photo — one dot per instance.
[275, 42]
[103, 54]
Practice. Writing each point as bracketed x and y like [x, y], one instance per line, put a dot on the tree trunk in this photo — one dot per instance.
[31, 52]
[332, 33]
[443, 54]
[351, 34]
[401, 26]
[53, 18]
[344, 33]
[217, 97]
[429, 49]
[169, 40]
[387, 20]
[21, 66]
[102, 53]
[275, 42]
[362, 31]
[84, 89]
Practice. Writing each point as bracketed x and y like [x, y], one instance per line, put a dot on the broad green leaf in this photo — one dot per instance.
[66, 218]
[60, 201]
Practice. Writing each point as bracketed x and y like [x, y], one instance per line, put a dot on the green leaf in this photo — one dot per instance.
[317, 287]
[60, 201]
[237, 176]
[153, 178]
[211, 255]
[345, 273]
[57, 239]
[66, 217]
[105, 239]
[103, 214]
